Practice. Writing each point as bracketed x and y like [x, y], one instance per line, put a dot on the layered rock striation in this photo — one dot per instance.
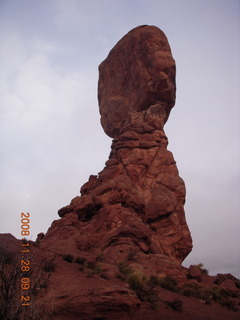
[137, 200]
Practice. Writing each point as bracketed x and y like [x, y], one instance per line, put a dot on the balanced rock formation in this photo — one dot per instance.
[138, 72]
[137, 201]
[117, 250]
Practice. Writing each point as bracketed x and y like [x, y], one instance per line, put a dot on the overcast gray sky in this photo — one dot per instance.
[50, 134]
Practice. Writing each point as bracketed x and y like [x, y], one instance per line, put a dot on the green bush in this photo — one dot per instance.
[191, 289]
[154, 281]
[104, 276]
[176, 305]
[230, 304]
[120, 276]
[168, 283]
[136, 280]
[10, 291]
[68, 257]
[124, 268]
[94, 270]
[201, 267]
[216, 293]
[90, 267]
[100, 257]
[80, 260]
[139, 283]
[205, 293]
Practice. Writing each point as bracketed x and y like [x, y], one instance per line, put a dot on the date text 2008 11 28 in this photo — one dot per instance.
[25, 262]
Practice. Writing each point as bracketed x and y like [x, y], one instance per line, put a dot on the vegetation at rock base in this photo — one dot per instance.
[80, 260]
[201, 267]
[93, 268]
[210, 295]
[10, 279]
[124, 270]
[144, 285]
[141, 284]
[89, 267]
[176, 305]
[68, 257]
[168, 283]
[100, 257]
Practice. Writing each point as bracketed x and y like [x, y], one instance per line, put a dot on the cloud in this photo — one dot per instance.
[45, 114]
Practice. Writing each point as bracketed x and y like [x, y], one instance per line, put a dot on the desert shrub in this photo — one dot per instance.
[230, 304]
[194, 289]
[49, 265]
[104, 276]
[230, 293]
[124, 268]
[68, 257]
[90, 267]
[205, 293]
[205, 271]
[191, 289]
[91, 271]
[154, 281]
[217, 293]
[100, 257]
[139, 283]
[136, 280]
[80, 260]
[120, 276]
[201, 267]
[176, 305]
[10, 292]
[168, 283]
[222, 296]
[6, 256]
[10, 275]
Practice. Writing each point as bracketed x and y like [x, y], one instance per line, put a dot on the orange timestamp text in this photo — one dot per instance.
[25, 264]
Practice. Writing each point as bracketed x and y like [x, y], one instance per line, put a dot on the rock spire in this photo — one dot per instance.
[136, 201]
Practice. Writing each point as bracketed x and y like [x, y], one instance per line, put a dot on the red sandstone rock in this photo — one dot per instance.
[132, 211]
[195, 273]
[138, 197]
[138, 72]
[135, 204]
[229, 284]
